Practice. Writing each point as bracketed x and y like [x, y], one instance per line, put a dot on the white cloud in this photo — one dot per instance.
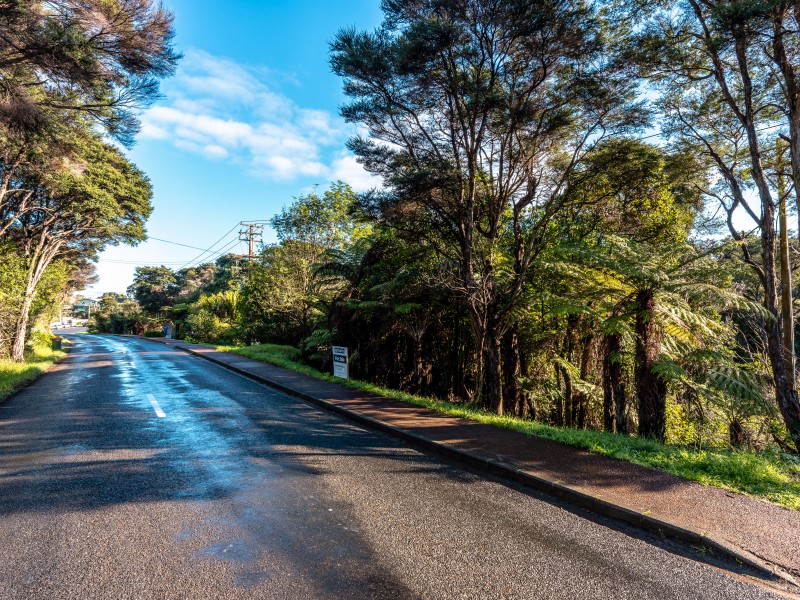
[215, 151]
[224, 111]
[347, 169]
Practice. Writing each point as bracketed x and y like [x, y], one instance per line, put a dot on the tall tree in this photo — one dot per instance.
[88, 57]
[76, 212]
[651, 197]
[478, 111]
[311, 226]
[66, 65]
[720, 98]
[154, 288]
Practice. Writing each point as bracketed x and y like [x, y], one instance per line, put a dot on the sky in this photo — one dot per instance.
[249, 121]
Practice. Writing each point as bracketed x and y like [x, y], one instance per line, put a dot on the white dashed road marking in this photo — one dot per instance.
[159, 413]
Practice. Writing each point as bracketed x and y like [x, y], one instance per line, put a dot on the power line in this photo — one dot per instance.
[212, 254]
[174, 243]
[211, 247]
[138, 262]
[218, 253]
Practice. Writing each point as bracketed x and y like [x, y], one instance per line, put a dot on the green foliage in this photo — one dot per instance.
[153, 333]
[113, 316]
[204, 326]
[527, 251]
[153, 288]
[48, 296]
[72, 75]
[39, 357]
[639, 191]
[321, 222]
[12, 288]
[59, 64]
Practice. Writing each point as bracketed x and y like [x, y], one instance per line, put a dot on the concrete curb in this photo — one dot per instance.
[497, 468]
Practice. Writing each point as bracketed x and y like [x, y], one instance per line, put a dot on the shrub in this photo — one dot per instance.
[204, 326]
[40, 339]
[153, 333]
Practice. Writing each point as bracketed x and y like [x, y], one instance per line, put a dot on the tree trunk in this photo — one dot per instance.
[558, 416]
[39, 257]
[479, 331]
[512, 370]
[567, 398]
[569, 394]
[651, 390]
[419, 367]
[787, 312]
[785, 392]
[493, 371]
[582, 404]
[736, 433]
[613, 390]
[22, 322]
[608, 398]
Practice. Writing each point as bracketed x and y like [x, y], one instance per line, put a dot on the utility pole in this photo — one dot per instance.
[251, 234]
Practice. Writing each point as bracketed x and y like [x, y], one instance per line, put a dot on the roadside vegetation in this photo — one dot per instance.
[73, 77]
[771, 476]
[39, 358]
[536, 255]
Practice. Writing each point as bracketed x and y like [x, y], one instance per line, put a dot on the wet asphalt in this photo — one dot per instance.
[137, 471]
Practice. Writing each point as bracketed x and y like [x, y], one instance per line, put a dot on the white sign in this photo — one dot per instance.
[340, 362]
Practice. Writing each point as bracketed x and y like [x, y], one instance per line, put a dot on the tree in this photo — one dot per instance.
[154, 288]
[478, 112]
[321, 222]
[102, 200]
[641, 194]
[668, 299]
[278, 296]
[58, 281]
[284, 284]
[67, 69]
[778, 25]
[387, 308]
[720, 100]
[117, 314]
[85, 57]
[67, 65]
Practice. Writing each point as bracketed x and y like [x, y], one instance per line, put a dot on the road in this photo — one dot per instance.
[137, 471]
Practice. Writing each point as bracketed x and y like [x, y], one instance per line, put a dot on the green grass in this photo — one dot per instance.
[38, 360]
[771, 477]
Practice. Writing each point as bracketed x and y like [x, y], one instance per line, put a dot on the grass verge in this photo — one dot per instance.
[38, 360]
[771, 477]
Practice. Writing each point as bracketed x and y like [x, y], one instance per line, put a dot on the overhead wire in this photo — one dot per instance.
[210, 251]
[138, 262]
[210, 248]
[151, 238]
[217, 254]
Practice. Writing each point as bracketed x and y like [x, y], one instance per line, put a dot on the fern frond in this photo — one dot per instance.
[574, 374]
[735, 382]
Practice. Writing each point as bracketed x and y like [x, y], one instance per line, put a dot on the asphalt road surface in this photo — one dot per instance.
[138, 471]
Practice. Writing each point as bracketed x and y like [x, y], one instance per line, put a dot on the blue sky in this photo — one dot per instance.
[249, 121]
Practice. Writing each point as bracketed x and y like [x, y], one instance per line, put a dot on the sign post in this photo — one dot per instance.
[340, 367]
